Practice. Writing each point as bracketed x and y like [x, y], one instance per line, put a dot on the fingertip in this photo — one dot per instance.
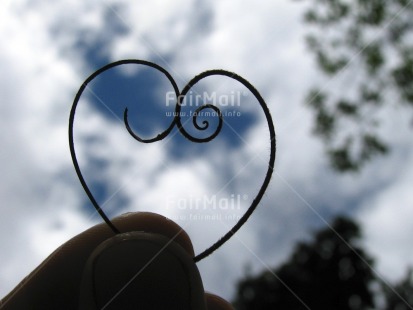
[141, 270]
[154, 223]
[215, 302]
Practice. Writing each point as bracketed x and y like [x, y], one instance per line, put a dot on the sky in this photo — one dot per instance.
[50, 48]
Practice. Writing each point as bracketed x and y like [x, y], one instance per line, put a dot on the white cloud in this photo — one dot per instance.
[386, 214]
[36, 89]
[154, 28]
[43, 64]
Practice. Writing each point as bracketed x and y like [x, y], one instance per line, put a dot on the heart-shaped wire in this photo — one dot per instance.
[177, 122]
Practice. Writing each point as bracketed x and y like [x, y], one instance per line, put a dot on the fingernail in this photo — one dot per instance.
[139, 270]
[127, 214]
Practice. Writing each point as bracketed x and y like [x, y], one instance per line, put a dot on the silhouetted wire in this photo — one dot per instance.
[177, 122]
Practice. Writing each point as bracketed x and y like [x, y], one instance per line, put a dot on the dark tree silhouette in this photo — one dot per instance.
[401, 297]
[371, 41]
[332, 272]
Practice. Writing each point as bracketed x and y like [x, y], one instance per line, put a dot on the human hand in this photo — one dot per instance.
[150, 266]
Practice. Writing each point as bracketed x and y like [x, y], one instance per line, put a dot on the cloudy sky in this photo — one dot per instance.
[48, 48]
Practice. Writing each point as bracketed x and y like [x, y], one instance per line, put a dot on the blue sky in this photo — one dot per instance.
[49, 49]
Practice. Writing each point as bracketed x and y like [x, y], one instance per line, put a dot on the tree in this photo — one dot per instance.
[369, 40]
[401, 297]
[331, 272]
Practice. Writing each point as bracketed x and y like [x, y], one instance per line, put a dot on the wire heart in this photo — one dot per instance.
[177, 122]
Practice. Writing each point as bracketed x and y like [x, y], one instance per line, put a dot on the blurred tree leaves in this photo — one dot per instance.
[402, 295]
[372, 40]
[332, 271]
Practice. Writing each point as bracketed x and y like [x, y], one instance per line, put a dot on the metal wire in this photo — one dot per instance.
[177, 122]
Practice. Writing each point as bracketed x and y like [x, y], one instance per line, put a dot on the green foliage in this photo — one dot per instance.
[331, 272]
[330, 65]
[341, 160]
[372, 146]
[374, 58]
[403, 76]
[347, 108]
[372, 12]
[371, 40]
[369, 95]
[325, 121]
